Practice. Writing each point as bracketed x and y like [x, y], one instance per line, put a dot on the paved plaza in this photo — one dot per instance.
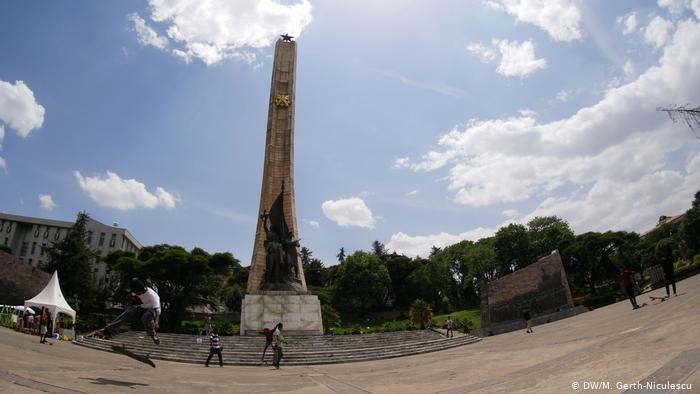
[659, 343]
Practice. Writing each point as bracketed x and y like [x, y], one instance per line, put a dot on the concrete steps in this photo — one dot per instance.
[300, 350]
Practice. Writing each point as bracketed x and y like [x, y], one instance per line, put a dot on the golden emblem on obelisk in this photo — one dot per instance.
[282, 100]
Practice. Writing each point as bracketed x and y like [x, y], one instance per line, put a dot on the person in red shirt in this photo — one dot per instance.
[626, 277]
[268, 339]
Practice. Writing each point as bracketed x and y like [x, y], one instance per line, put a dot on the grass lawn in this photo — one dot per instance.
[471, 315]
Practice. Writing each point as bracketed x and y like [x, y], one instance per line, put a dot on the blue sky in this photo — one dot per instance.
[417, 123]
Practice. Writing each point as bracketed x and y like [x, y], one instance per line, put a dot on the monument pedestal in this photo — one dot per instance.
[300, 313]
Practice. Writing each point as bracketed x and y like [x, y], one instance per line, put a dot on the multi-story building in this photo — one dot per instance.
[28, 237]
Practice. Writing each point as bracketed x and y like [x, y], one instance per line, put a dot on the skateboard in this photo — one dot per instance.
[123, 350]
[664, 298]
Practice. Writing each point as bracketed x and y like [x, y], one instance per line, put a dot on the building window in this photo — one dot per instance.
[88, 241]
[112, 240]
[36, 232]
[6, 239]
[33, 248]
[30, 261]
[9, 227]
[123, 240]
[46, 232]
[57, 235]
[23, 250]
[102, 239]
[43, 246]
[2, 224]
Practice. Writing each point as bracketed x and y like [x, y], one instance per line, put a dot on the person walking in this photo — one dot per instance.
[626, 277]
[448, 325]
[214, 348]
[528, 319]
[277, 341]
[148, 311]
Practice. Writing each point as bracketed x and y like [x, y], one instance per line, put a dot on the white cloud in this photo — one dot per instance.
[146, 35]
[518, 60]
[485, 53]
[613, 154]
[46, 202]
[559, 18]
[349, 212]
[114, 192]
[629, 70]
[19, 109]
[412, 192]
[675, 7]
[563, 96]
[510, 213]
[314, 224]
[401, 162]
[420, 245]
[214, 30]
[628, 23]
[657, 32]
[3, 165]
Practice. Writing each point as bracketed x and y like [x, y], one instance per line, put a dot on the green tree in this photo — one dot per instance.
[6, 249]
[183, 279]
[400, 268]
[591, 258]
[362, 281]
[330, 317]
[73, 260]
[420, 313]
[512, 246]
[432, 281]
[378, 249]
[341, 255]
[313, 268]
[547, 233]
[689, 229]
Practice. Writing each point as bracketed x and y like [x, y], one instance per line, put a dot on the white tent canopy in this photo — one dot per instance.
[52, 299]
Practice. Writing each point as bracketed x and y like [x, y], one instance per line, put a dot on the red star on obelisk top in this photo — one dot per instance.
[287, 37]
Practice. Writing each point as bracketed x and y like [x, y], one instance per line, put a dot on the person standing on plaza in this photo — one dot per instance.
[626, 277]
[277, 341]
[448, 325]
[42, 326]
[664, 252]
[214, 348]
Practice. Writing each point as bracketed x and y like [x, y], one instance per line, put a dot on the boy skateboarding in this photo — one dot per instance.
[146, 309]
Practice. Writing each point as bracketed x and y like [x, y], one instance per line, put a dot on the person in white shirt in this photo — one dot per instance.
[448, 325]
[277, 341]
[148, 311]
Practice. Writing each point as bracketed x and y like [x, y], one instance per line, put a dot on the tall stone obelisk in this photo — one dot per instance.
[270, 300]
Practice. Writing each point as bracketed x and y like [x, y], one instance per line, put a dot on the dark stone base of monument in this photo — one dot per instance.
[300, 312]
[515, 325]
[294, 287]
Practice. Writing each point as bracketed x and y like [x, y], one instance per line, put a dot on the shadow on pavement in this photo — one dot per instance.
[104, 382]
